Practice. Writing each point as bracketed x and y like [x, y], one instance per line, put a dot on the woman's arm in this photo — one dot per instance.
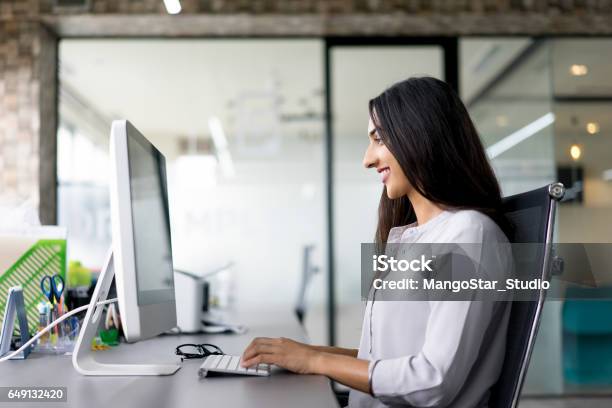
[433, 376]
[341, 366]
[336, 350]
[350, 371]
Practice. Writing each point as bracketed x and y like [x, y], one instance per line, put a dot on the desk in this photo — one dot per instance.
[183, 389]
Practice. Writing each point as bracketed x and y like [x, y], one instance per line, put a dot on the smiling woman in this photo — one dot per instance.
[438, 188]
[431, 145]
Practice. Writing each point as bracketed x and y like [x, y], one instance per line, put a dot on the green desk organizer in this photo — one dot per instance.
[45, 257]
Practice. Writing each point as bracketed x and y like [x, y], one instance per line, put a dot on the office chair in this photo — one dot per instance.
[532, 215]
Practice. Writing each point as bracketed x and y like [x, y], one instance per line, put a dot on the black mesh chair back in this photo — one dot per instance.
[532, 215]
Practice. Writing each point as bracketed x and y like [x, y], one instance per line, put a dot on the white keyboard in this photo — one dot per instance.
[230, 365]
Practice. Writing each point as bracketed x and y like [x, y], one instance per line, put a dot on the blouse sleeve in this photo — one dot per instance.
[434, 376]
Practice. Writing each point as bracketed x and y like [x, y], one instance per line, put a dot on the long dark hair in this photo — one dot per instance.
[427, 128]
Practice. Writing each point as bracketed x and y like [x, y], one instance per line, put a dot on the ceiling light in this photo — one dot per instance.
[220, 142]
[592, 128]
[501, 120]
[579, 70]
[575, 151]
[517, 137]
[172, 6]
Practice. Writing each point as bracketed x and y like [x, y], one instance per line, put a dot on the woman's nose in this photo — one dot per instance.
[369, 160]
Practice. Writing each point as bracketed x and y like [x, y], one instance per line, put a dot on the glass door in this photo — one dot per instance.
[357, 72]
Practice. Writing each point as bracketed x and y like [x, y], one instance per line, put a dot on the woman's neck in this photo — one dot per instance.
[424, 209]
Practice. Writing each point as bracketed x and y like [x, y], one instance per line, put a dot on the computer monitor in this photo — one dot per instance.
[140, 257]
[141, 234]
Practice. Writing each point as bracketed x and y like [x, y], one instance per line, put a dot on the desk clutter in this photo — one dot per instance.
[37, 288]
[56, 333]
[28, 258]
[61, 339]
[43, 286]
[24, 260]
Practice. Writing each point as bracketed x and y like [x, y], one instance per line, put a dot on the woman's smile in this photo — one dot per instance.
[378, 153]
[384, 172]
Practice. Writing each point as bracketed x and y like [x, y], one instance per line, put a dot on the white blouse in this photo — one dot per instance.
[436, 353]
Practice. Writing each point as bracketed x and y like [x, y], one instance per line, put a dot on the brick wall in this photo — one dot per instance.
[19, 124]
[28, 50]
[16, 8]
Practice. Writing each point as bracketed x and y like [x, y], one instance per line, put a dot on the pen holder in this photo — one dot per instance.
[62, 338]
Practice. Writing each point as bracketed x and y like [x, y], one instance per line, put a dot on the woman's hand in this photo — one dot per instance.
[292, 355]
[302, 358]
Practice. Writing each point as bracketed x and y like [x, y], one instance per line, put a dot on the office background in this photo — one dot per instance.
[261, 110]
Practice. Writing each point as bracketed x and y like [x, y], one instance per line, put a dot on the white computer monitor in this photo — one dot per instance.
[142, 245]
[140, 257]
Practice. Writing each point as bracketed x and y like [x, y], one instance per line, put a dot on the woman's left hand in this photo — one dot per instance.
[286, 353]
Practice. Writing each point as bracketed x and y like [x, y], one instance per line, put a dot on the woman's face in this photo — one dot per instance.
[378, 156]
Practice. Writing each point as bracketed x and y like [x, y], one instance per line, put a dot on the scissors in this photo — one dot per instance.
[52, 287]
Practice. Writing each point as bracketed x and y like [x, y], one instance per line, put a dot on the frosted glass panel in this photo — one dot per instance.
[360, 73]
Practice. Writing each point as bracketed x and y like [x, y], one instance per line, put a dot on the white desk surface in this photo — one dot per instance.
[184, 388]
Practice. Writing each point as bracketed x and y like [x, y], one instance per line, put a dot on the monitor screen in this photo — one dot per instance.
[150, 221]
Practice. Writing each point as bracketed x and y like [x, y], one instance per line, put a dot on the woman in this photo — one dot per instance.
[438, 188]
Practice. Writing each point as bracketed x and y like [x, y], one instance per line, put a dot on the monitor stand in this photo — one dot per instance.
[83, 358]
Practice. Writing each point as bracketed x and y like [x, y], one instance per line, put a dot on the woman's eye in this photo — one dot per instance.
[378, 140]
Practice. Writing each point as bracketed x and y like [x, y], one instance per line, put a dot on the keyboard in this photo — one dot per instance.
[226, 364]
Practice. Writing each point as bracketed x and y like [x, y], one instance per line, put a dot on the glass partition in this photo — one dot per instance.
[359, 73]
[513, 113]
[247, 161]
[543, 111]
[583, 134]
[244, 149]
